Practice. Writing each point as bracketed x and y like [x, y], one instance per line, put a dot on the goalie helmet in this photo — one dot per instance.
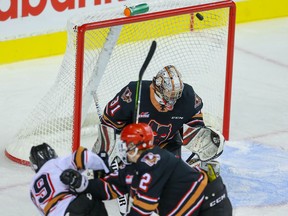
[168, 86]
[137, 136]
[40, 154]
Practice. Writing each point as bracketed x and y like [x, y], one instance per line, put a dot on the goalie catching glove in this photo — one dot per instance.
[206, 142]
[77, 182]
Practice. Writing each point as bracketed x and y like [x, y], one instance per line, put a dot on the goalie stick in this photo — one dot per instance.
[139, 82]
[114, 165]
[94, 81]
[123, 201]
[138, 92]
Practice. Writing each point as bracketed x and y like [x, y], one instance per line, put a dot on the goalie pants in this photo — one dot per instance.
[216, 201]
[85, 205]
[174, 145]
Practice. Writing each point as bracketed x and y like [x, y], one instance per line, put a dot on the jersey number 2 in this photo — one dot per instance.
[145, 181]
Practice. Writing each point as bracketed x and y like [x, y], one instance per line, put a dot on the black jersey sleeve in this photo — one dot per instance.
[196, 115]
[109, 187]
[119, 111]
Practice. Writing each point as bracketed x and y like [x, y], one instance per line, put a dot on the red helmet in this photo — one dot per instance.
[140, 135]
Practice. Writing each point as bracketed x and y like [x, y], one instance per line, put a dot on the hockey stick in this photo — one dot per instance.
[139, 82]
[98, 72]
[99, 69]
[123, 201]
[190, 157]
[97, 105]
[138, 96]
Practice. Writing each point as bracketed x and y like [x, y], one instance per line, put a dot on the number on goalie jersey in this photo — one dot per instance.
[166, 104]
[50, 195]
[158, 181]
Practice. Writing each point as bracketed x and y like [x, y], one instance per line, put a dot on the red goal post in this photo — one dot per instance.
[105, 51]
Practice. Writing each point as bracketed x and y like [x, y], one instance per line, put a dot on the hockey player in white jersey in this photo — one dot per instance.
[48, 192]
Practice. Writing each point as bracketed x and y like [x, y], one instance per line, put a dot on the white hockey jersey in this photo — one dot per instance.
[48, 193]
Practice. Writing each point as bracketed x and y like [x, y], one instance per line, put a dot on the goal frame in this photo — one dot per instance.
[145, 17]
[75, 131]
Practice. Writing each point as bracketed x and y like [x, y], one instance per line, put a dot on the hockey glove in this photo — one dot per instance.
[206, 142]
[76, 182]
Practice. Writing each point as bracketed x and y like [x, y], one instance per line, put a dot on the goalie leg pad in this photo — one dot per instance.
[106, 139]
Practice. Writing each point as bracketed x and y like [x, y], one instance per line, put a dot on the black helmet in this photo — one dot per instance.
[40, 154]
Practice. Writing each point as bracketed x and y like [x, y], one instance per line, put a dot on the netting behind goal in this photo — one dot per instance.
[106, 50]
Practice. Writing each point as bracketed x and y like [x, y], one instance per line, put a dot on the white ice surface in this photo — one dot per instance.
[254, 161]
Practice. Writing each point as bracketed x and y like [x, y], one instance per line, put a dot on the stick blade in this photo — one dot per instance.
[139, 82]
[148, 59]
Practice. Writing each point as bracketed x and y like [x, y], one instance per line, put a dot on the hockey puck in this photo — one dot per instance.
[199, 16]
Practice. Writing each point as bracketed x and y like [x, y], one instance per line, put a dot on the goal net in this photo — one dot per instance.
[105, 51]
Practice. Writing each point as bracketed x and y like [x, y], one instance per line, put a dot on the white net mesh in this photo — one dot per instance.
[198, 49]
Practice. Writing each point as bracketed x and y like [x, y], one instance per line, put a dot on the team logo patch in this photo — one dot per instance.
[144, 115]
[129, 179]
[150, 159]
[126, 96]
[161, 132]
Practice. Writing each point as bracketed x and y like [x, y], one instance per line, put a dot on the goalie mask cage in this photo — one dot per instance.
[105, 51]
